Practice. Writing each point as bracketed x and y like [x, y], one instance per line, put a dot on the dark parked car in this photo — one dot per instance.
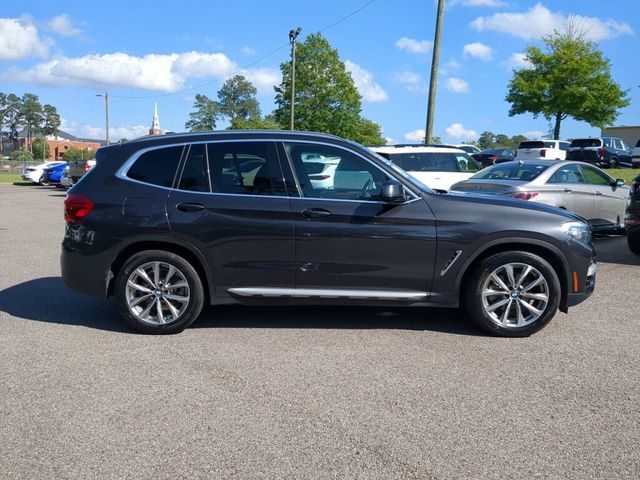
[166, 224]
[632, 217]
[601, 151]
[493, 156]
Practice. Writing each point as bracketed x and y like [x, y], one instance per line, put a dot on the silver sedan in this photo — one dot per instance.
[575, 186]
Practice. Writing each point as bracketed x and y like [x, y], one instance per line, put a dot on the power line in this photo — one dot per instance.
[255, 62]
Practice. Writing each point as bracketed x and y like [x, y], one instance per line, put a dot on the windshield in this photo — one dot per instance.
[524, 172]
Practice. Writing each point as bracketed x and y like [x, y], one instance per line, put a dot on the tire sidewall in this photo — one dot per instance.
[473, 293]
[196, 291]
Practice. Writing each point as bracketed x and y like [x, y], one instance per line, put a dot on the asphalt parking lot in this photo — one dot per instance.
[306, 392]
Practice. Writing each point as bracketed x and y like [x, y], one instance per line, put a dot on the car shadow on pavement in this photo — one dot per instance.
[614, 249]
[450, 321]
[49, 300]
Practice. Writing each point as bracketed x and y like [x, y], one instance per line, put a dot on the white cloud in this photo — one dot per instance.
[389, 141]
[518, 61]
[458, 132]
[457, 85]
[409, 78]
[534, 134]
[539, 21]
[248, 51]
[479, 3]
[370, 90]
[19, 39]
[116, 132]
[264, 79]
[164, 73]
[415, 135]
[63, 26]
[414, 46]
[478, 50]
[451, 66]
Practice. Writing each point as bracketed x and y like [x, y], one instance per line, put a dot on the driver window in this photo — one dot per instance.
[324, 171]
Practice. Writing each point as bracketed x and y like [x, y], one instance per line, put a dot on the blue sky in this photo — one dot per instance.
[143, 52]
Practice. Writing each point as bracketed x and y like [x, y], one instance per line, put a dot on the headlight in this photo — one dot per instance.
[578, 230]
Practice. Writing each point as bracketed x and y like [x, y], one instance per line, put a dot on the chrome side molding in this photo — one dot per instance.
[327, 293]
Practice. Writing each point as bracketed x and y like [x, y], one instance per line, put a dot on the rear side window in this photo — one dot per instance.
[586, 142]
[466, 163]
[532, 144]
[512, 171]
[157, 166]
[245, 168]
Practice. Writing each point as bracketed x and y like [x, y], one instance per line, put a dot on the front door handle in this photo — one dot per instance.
[568, 190]
[598, 193]
[315, 213]
[190, 207]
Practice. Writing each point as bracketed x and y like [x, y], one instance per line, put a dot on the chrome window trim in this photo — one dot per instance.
[357, 154]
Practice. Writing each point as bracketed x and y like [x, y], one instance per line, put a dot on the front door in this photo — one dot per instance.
[349, 243]
[230, 204]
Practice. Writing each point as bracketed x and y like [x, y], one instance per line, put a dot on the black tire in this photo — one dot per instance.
[187, 310]
[633, 241]
[43, 180]
[613, 162]
[480, 276]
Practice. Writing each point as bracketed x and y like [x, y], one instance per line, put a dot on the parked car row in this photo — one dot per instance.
[60, 173]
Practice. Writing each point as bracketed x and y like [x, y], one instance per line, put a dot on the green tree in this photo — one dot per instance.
[50, 122]
[516, 140]
[76, 154]
[205, 116]
[569, 77]
[41, 149]
[435, 139]
[13, 115]
[368, 132]
[237, 99]
[31, 115]
[486, 140]
[22, 155]
[326, 97]
[255, 123]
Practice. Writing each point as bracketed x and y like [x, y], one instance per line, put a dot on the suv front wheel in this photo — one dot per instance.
[159, 292]
[513, 294]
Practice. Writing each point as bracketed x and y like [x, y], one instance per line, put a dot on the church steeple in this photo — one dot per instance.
[155, 126]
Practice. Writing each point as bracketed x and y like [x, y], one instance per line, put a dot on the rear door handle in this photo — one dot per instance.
[190, 207]
[315, 213]
[568, 190]
[598, 193]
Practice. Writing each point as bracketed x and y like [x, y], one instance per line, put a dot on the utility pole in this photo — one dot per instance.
[433, 83]
[106, 110]
[293, 34]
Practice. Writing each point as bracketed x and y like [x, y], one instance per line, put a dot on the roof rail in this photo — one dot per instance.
[415, 145]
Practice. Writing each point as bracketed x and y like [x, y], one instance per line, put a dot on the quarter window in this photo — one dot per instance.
[157, 166]
[324, 171]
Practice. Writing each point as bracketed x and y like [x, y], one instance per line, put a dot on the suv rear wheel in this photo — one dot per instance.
[513, 294]
[159, 292]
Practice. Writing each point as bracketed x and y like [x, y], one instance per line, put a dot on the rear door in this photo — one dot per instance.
[348, 242]
[231, 205]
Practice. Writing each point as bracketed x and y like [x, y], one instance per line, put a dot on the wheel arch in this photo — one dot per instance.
[548, 252]
[188, 253]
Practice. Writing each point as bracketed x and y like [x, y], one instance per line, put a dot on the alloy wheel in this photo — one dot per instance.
[515, 295]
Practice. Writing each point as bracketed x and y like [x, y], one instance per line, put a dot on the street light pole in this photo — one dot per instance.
[433, 83]
[106, 109]
[293, 34]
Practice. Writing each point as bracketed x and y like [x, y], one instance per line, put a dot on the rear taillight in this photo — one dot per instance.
[525, 195]
[87, 167]
[76, 207]
[601, 152]
[543, 153]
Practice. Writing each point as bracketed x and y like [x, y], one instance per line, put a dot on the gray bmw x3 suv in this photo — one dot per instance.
[166, 224]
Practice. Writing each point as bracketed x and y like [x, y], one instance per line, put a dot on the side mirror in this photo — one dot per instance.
[393, 192]
[619, 182]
